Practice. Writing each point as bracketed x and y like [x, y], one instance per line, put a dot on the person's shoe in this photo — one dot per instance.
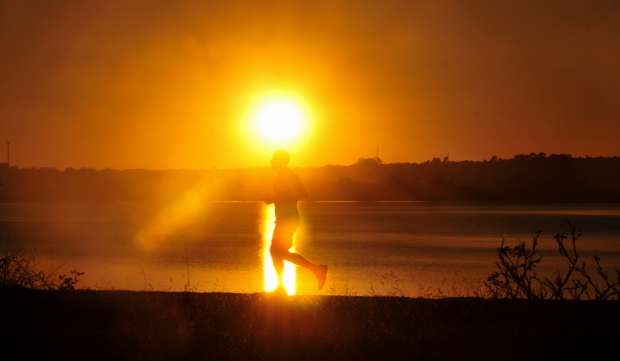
[321, 275]
[280, 291]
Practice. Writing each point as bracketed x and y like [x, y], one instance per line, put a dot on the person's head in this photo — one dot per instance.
[280, 159]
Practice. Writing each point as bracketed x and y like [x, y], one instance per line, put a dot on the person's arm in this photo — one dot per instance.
[301, 190]
[270, 198]
[273, 193]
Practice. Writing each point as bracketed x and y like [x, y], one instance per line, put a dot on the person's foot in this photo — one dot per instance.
[321, 275]
[280, 291]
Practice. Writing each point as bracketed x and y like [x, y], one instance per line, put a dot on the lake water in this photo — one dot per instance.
[409, 248]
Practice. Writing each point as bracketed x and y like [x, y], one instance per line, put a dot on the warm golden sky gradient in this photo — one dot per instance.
[157, 84]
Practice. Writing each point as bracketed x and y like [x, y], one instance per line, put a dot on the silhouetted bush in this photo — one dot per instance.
[517, 275]
[19, 271]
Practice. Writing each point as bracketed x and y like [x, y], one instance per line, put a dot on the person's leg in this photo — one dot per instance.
[279, 247]
[320, 271]
[299, 260]
[278, 265]
[282, 241]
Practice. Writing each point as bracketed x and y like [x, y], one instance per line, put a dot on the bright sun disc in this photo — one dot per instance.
[278, 120]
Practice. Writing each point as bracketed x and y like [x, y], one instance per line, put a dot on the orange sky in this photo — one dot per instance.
[160, 85]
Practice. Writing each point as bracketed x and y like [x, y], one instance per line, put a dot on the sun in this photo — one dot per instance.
[279, 120]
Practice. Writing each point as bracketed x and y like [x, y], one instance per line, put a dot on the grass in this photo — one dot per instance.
[118, 325]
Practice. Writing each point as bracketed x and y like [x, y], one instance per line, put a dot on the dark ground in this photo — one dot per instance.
[116, 325]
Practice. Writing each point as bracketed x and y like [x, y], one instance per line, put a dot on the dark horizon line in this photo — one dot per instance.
[361, 161]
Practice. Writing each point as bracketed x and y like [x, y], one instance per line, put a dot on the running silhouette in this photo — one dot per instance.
[287, 190]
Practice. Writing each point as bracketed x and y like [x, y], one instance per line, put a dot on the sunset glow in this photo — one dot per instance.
[340, 77]
[279, 120]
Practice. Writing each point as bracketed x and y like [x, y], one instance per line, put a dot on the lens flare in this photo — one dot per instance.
[190, 205]
[270, 277]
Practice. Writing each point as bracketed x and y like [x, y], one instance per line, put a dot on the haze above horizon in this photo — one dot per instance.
[163, 85]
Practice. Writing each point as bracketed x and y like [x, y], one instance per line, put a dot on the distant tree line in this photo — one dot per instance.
[535, 177]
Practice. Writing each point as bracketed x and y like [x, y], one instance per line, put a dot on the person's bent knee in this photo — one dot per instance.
[278, 252]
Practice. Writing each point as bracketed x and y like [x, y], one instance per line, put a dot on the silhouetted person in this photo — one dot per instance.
[287, 190]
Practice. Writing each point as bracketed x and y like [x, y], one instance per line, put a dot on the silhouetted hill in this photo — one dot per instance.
[524, 178]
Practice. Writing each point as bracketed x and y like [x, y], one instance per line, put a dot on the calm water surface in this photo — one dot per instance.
[410, 248]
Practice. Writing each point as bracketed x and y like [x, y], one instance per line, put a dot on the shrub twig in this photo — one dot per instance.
[517, 276]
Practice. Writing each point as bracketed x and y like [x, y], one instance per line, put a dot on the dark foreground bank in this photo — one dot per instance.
[114, 325]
